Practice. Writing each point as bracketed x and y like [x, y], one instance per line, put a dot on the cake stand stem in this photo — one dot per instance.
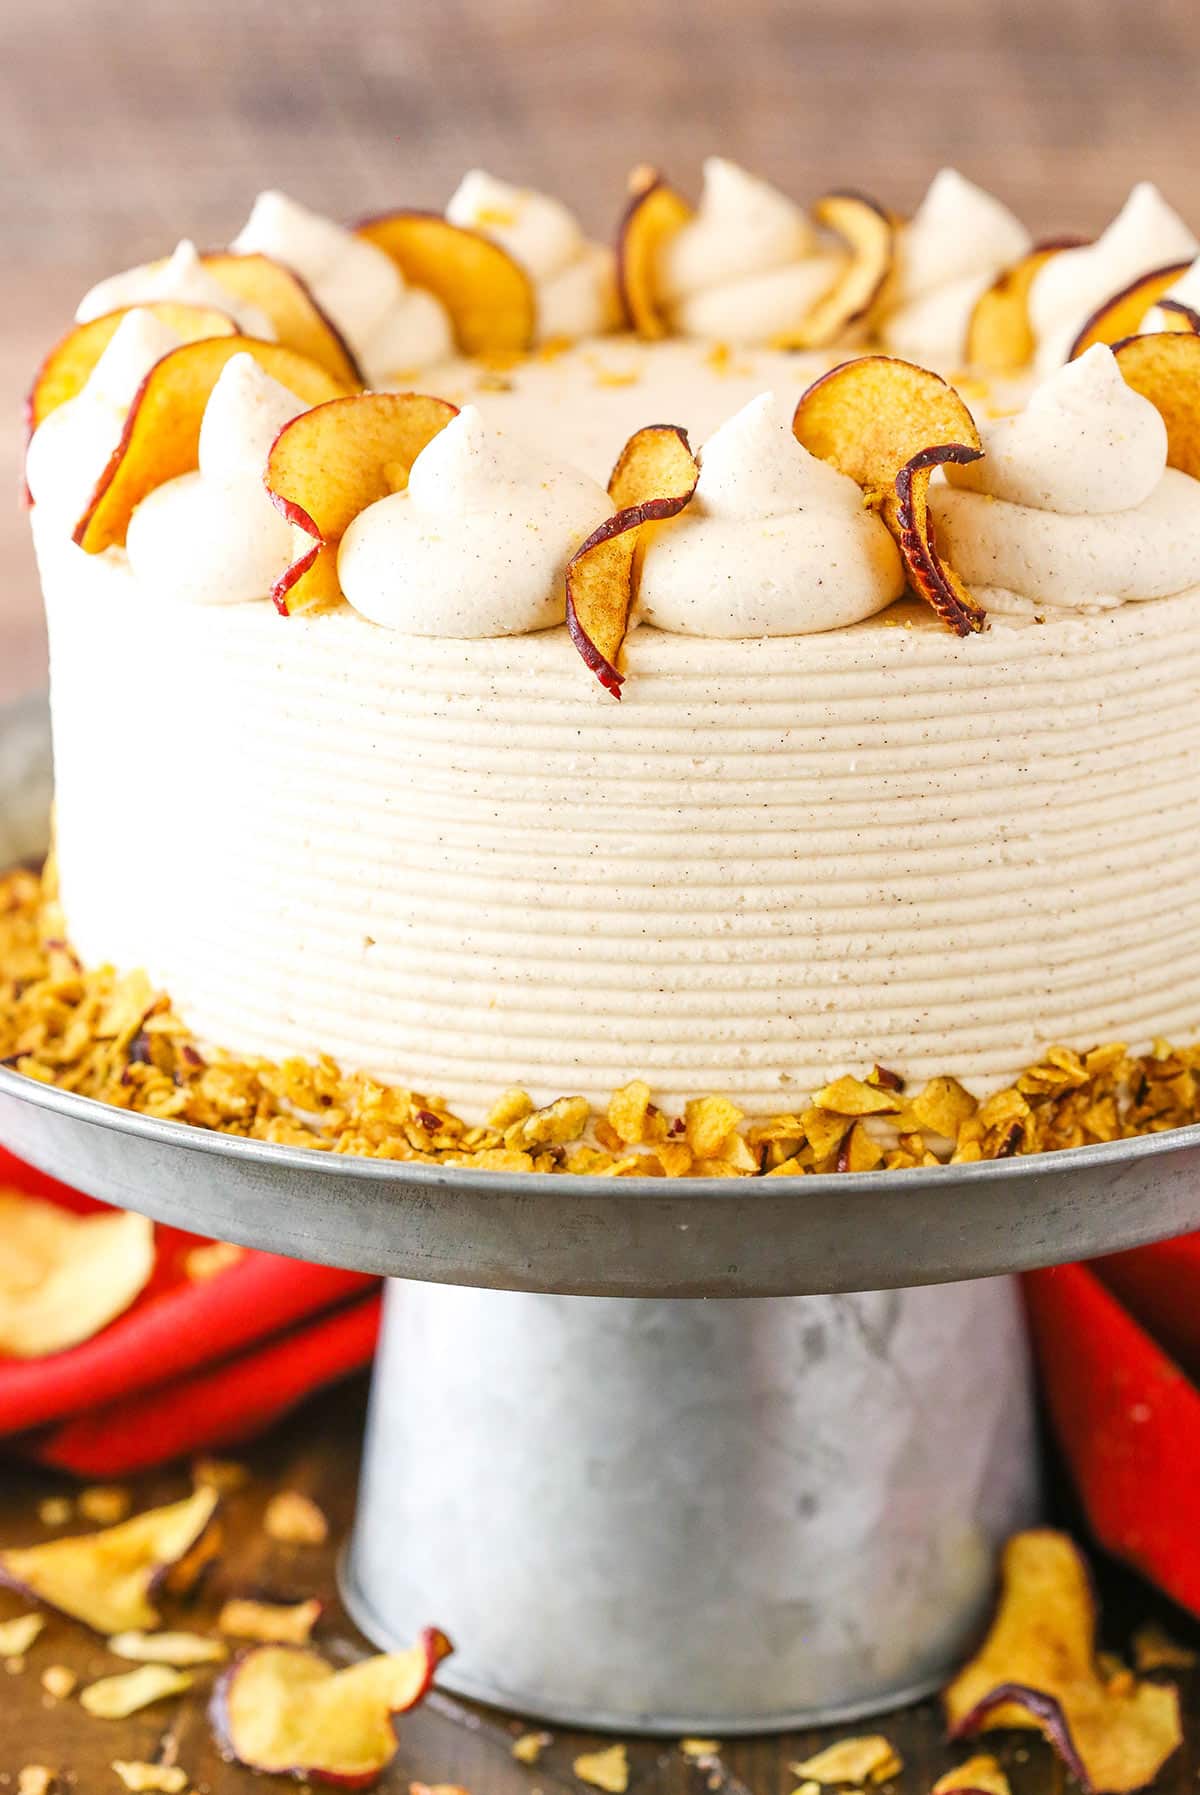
[692, 1517]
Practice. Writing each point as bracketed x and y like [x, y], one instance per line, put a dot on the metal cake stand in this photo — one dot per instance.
[632, 1506]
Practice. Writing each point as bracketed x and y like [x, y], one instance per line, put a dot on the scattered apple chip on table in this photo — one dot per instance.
[150, 1779]
[284, 1709]
[870, 1758]
[107, 1579]
[167, 1648]
[978, 1775]
[161, 437]
[18, 1634]
[489, 296]
[1121, 315]
[654, 479]
[607, 1769]
[270, 1623]
[1037, 1669]
[329, 464]
[68, 367]
[116, 1698]
[1000, 337]
[63, 1276]
[530, 1746]
[1164, 367]
[295, 1519]
[654, 213]
[869, 234]
[298, 321]
[889, 424]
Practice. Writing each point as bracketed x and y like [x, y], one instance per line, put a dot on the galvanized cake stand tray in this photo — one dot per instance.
[631, 1505]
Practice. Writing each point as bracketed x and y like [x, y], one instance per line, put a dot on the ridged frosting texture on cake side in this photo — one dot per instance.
[460, 867]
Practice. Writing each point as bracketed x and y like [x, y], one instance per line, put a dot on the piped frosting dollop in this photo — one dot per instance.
[181, 277]
[774, 543]
[477, 544]
[70, 448]
[1146, 234]
[1072, 506]
[573, 279]
[393, 328]
[747, 267]
[214, 537]
[956, 243]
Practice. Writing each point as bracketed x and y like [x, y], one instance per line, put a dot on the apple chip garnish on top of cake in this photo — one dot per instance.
[889, 424]
[66, 370]
[654, 213]
[488, 295]
[655, 477]
[1000, 334]
[295, 317]
[329, 464]
[1164, 367]
[868, 231]
[161, 437]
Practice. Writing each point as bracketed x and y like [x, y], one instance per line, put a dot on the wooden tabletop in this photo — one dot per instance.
[446, 1741]
[125, 125]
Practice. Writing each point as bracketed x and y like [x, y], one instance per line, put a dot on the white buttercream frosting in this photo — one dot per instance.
[214, 537]
[392, 328]
[181, 277]
[1072, 505]
[746, 268]
[774, 543]
[573, 279]
[956, 243]
[71, 447]
[1146, 234]
[1186, 290]
[477, 545]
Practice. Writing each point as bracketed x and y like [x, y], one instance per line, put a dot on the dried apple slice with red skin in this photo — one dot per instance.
[654, 479]
[869, 232]
[1187, 316]
[1120, 316]
[108, 1579]
[654, 213]
[489, 296]
[284, 1709]
[77, 1273]
[67, 368]
[1164, 367]
[299, 322]
[1000, 337]
[161, 437]
[887, 424]
[1037, 1669]
[329, 464]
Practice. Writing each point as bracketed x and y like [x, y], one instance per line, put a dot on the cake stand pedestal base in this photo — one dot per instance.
[693, 1517]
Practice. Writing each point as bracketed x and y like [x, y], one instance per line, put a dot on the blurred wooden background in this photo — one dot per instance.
[125, 124]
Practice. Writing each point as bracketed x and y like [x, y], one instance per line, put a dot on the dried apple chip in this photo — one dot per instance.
[64, 1277]
[107, 1579]
[298, 321]
[1037, 1668]
[270, 1623]
[869, 233]
[284, 1709]
[1165, 368]
[167, 1648]
[67, 368]
[116, 1698]
[654, 213]
[869, 1758]
[607, 1769]
[654, 479]
[1121, 315]
[888, 424]
[489, 296]
[980, 1775]
[329, 464]
[1000, 338]
[161, 438]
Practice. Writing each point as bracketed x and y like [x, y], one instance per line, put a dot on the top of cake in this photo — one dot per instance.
[747, 418]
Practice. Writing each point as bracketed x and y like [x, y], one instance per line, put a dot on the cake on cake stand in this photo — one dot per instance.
[684, 1456]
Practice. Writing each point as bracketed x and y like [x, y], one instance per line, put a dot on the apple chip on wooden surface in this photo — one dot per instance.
[1038, 1669]
[654, 213]
[1164, 367]
[116, 1698]
[286, 1710]
[329, 464]
[108, 1579]
[489, 296]
[161, 438]
[65, 1276]
[654, 479]
[978, 1775]
[888, 424]
[1000, 337]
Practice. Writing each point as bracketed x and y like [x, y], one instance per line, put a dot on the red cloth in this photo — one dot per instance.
[1125, 1413]
[192, 1364]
